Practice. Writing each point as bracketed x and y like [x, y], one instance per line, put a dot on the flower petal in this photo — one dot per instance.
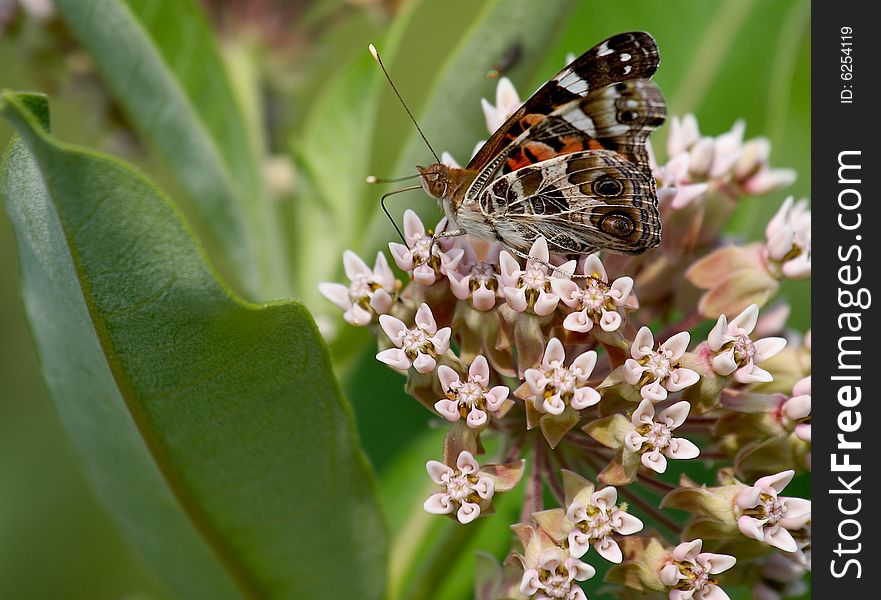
[643, 343]
[680, 379]
[676, 345]
[395, 358]
[423, 363]
[675, 415]
[438, 504]
[447, 377]
[437, 470]
[578, 321]
[394, 328]
[468, 512]
[554, 354]
[448, 409]
[424, 319]
[609, 549]
[655, 461]
[681, 449]
[768, 347]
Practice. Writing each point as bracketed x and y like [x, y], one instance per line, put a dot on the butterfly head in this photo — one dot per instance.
[435, 180]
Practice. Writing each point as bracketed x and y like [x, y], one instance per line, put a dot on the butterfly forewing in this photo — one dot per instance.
[580, 202]
[616, 117]
[622, 57]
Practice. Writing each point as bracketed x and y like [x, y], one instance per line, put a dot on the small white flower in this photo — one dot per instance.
[796, 410]
[598, 302]
[689, 571]
[530, 288]
[477, 280]
[418, 347]
[369, 293]
[507, 103]
[463, 489]
[789, 238]
[652, 435]
[768, 517]
[554, 386]
[699, 165]
[553, 576]
[738, 354]
[595, 521]
[425, 266]
[657, 372]
[474, 399]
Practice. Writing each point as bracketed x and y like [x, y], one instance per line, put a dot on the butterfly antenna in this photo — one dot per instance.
[388, 214]
[378, 60]
[375, 179]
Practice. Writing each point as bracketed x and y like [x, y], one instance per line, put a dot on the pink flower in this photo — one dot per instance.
[477, 280]
[552, 575]
[699, 165]
[554, 386]
[418, 347]
[530, 288]
[789, 239]
[768, 517]
[507, 103]
[598, 302]
[595, 521]
[425, 266]
[688, 572]
[796, 411]
[463, 489]
[736, 353]
[473, 399]
[369, 293]
[657, 372]
[652, 435]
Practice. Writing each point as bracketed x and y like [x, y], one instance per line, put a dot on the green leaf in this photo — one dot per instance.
[212, 429]
[451, 118]
[161, 62]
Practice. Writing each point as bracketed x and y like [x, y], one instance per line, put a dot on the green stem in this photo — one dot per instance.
[436, 567]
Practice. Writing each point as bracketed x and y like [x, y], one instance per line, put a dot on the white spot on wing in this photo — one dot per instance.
[627, 69]
[625, 56]
[573, 82]
[604, 50]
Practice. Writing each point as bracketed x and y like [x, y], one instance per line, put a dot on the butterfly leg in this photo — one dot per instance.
[554, 268]
[444, 234]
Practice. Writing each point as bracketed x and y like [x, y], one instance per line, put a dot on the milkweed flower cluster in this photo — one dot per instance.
[589, 377]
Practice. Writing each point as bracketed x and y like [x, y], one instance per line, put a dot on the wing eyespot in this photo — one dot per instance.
[618, 225]
[628, 116]
[608, 187]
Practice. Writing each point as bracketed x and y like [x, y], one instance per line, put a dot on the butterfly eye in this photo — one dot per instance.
[628, 116]
[607, 187]
[617, 224]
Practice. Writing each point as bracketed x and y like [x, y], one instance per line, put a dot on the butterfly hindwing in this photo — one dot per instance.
[579, 202]
[622, 57]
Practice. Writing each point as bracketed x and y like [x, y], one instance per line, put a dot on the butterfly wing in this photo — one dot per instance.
[580, 202]
[617, 117]
[622, 57]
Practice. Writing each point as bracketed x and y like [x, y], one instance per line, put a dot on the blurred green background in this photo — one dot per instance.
[723, 60]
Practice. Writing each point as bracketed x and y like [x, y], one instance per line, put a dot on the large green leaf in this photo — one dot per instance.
[161, 61]
[212, 429]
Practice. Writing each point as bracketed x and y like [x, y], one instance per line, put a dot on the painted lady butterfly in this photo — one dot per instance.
[571, 164]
